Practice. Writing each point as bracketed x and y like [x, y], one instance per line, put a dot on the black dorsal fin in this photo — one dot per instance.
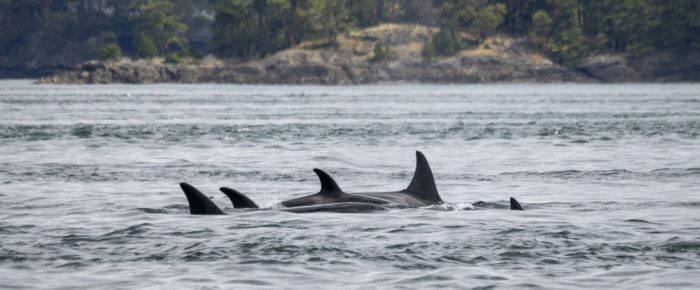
[328, 185]
[199, 203]
[515, 205]
[423, 183]
[238, 199]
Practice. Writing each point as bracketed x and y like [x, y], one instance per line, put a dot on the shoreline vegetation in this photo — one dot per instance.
[350, 42]
[353, 60]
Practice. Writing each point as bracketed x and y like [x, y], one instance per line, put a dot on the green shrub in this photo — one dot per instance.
[146, 47]
[428, 51]
[109, 52]
[487, 20]
[380, 53]
[174, 57]
[445, 41]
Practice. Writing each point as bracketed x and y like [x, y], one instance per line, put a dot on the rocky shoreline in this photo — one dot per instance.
[499, 59]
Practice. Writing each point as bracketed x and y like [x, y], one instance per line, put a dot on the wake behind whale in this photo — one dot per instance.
[421, 192]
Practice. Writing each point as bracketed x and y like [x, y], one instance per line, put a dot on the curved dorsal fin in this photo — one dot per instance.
[199, 203]
[238, 199]
[423, 183]
[515, 205]
[328, 185]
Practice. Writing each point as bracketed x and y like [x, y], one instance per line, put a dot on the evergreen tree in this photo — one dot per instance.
[146, 47]
[155, 19]
[445, 41]
[487, 20]
[329, 18]
[567, 39]
[248, 28]
[541, 28]
[110, 52]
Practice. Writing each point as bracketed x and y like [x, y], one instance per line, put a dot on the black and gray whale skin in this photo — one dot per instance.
[200, 204]
[421, 192]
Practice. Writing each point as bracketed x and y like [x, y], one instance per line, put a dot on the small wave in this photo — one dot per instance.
[631, 248]
[490, 205]
[516, 255]
[682, 247]
[131, 172]
[640, 221]
[548, 261]
[16, 229]
[490, 278]
[452, 206]
[578, 131]
[265, 262]
[152, 210]
[177, 207]
[7, 255]
[200, 256]
[614, 174]
[82, 131]
[616, 205]
[688, 204]
[511, 231]
[251, 282]
[131, 230]
[565, 234]
[118, 236]
[73, 265]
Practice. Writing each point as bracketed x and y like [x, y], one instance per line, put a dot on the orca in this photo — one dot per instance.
[421, 192]
[200, 204]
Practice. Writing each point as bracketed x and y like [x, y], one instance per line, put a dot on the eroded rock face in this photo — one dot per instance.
[127, 72]
[609, 68]
[305, 67]
[310, 72]
[658, 67]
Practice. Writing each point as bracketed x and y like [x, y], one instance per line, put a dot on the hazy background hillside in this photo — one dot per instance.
[41, 34]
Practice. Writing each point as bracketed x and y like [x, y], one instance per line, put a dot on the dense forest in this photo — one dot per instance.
[55, 33]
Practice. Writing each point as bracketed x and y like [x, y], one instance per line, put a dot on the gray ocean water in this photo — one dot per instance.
[609, 176]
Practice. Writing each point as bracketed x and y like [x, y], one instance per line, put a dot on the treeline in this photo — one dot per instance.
[62, 32]
[59, 32]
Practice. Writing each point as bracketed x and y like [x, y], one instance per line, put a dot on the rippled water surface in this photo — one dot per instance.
[609, 176]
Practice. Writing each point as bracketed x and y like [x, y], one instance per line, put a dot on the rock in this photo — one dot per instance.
[609, 68]
[655, 67]
[669, 67]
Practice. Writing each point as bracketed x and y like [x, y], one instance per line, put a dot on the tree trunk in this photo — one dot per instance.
[45, 5]
[290, 23]
[378, 11]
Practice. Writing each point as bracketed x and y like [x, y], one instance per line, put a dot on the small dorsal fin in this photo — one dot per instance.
[199, 203]
[328, 185]
[423, 183]
[515, 205]
[238, 199]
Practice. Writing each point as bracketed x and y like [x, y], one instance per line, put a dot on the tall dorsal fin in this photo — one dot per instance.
[328, 185]
[199, 203]
[423, 183]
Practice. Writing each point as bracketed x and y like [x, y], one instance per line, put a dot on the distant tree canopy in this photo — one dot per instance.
[156, 21]
[61, 32]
